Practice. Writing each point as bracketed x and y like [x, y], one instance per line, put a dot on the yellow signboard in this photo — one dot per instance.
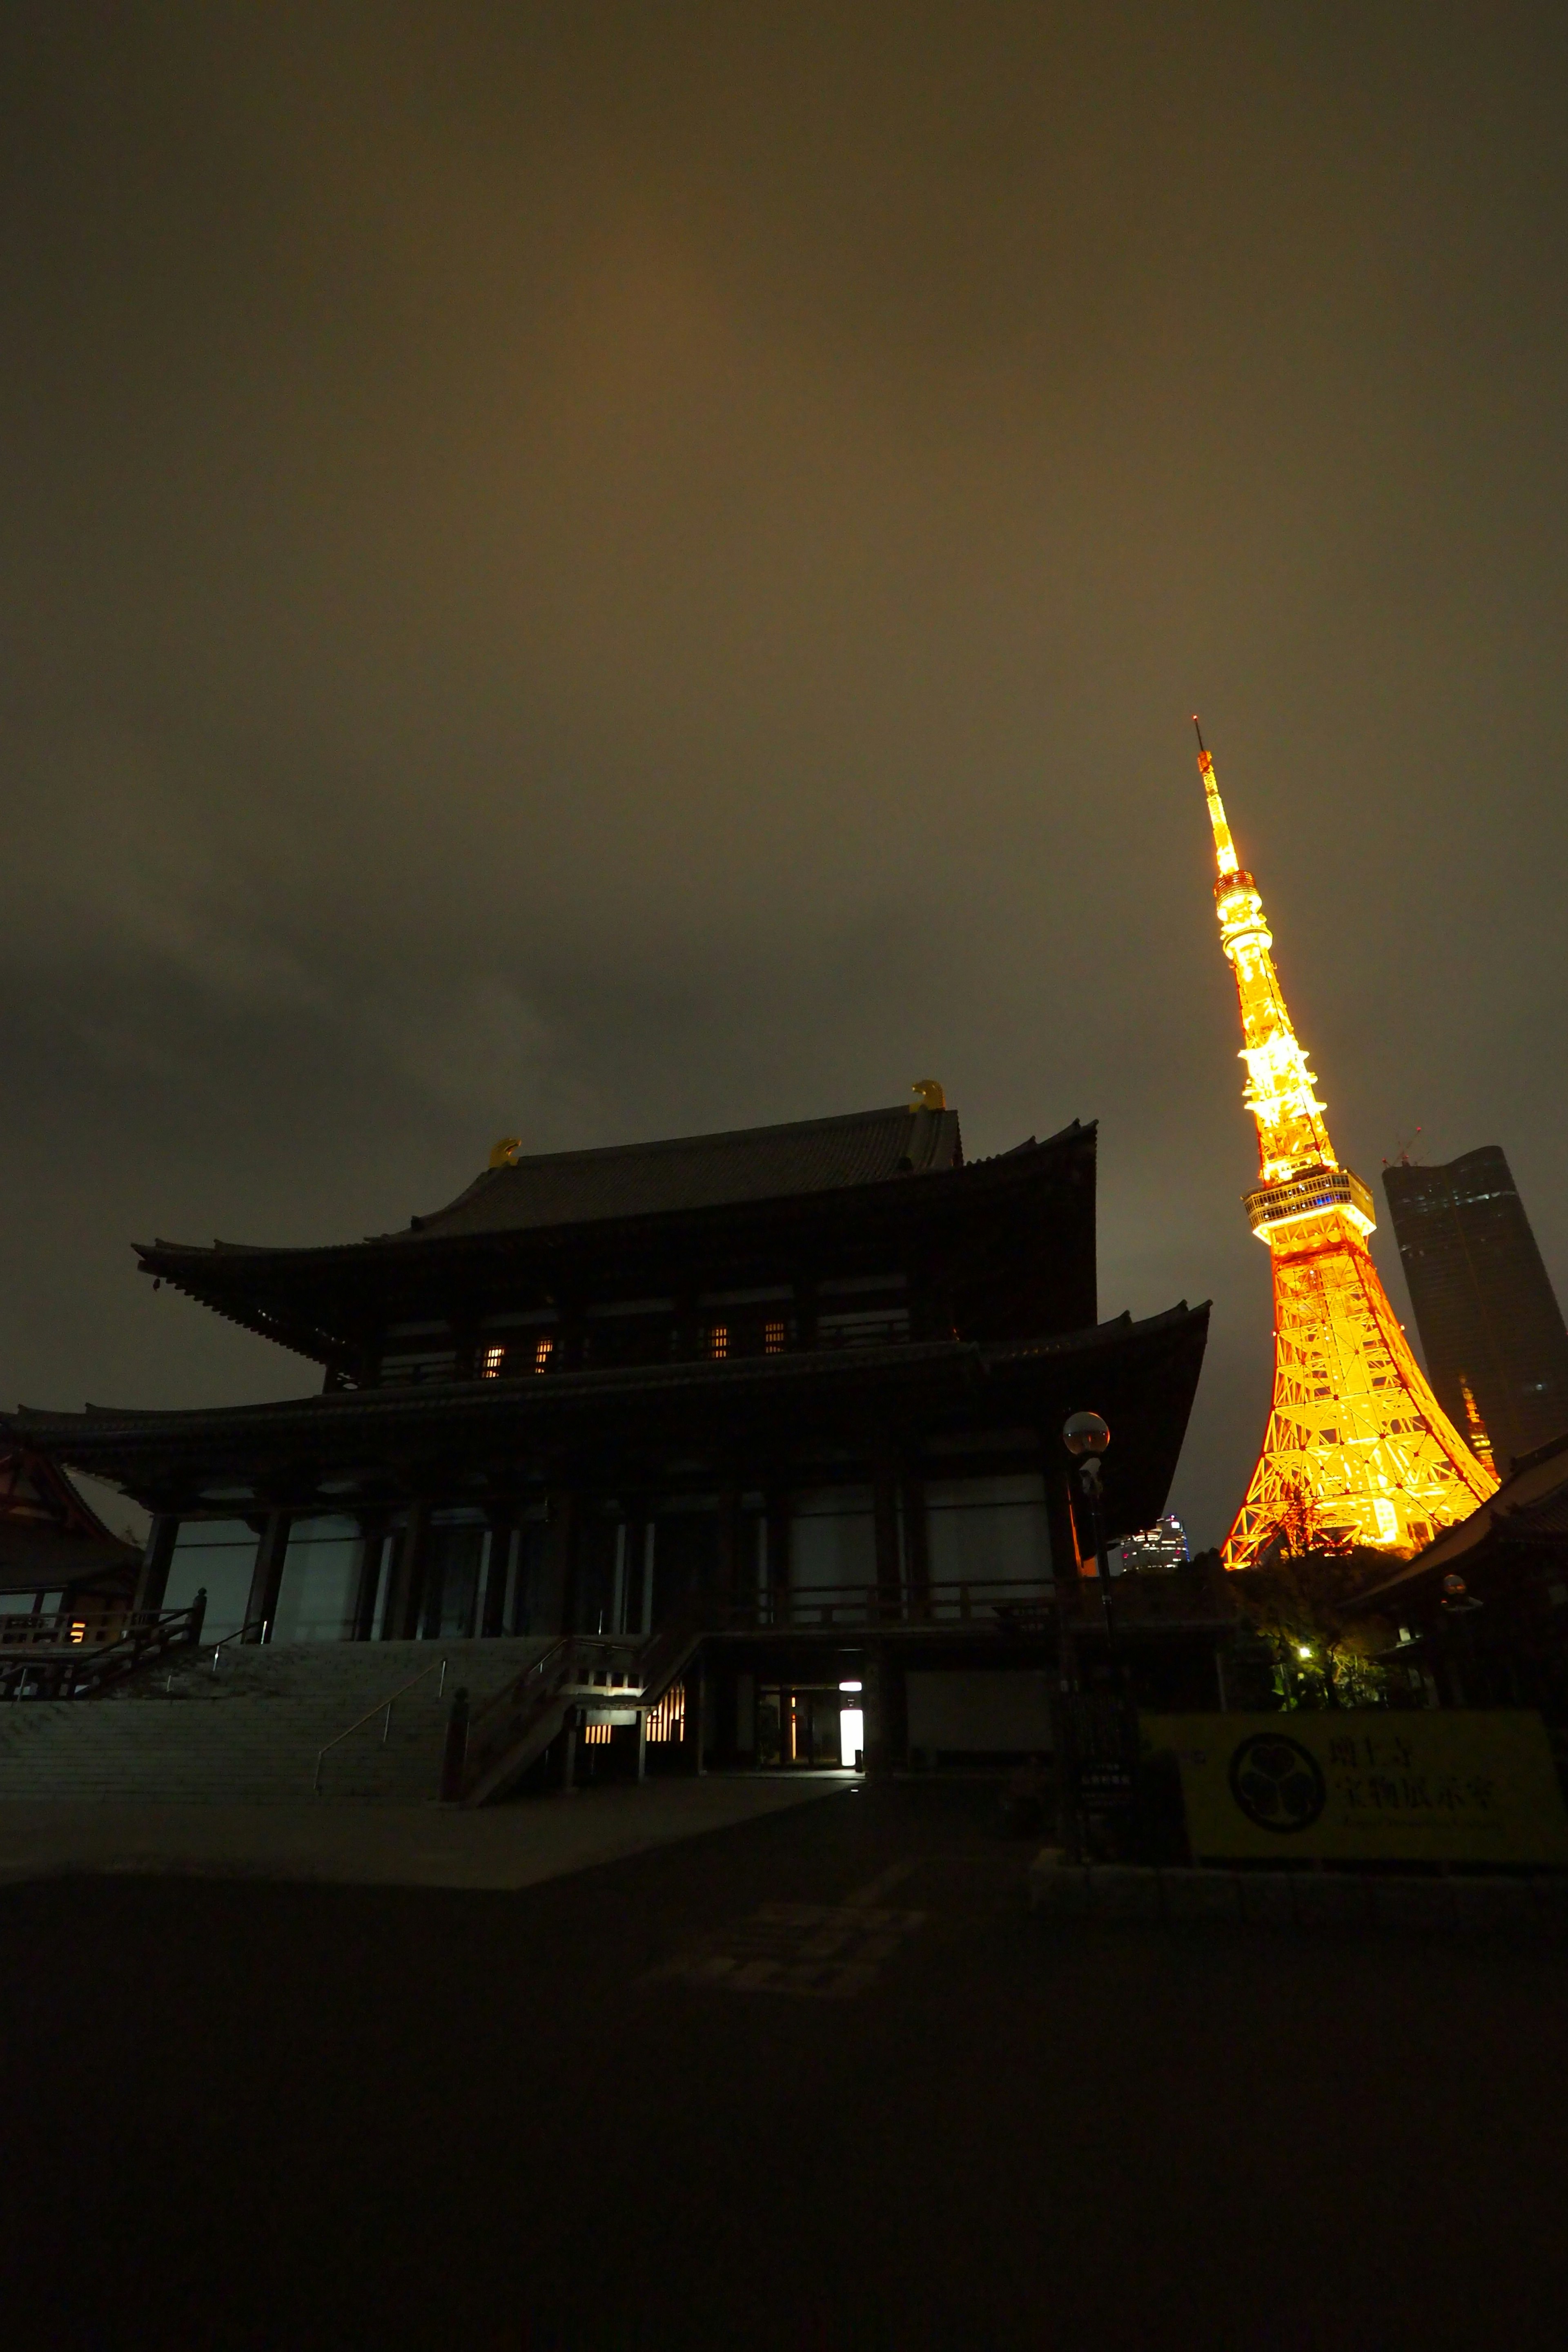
[1417, 1785]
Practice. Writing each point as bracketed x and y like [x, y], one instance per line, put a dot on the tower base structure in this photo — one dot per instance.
[1358, 1450]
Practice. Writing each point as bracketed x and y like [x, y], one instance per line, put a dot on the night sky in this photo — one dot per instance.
[593, 572]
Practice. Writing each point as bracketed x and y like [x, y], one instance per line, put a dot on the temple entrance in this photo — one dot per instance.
[815, 1726]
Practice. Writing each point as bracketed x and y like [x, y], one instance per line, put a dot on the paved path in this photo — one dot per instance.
[814, 2083]
[503, 1847]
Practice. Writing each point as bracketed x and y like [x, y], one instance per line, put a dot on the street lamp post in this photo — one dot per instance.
[1086, 1437]
[1094, 1763]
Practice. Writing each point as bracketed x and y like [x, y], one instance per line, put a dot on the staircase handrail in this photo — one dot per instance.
[666, 1651]
[386, 1700]
[514, 1689]
[256, 1625]
[505, 1716]
[496, 1723]
[565, 1649]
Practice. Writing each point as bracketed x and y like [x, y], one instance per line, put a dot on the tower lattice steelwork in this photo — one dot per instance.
[1357, 1450]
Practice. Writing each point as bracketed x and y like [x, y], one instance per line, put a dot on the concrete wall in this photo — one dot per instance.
[1002, 1713]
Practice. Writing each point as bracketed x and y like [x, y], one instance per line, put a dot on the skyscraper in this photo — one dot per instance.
[1358, 1449]
[1487, 1314]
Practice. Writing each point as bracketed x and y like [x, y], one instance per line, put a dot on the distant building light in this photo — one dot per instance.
[1158, 1550]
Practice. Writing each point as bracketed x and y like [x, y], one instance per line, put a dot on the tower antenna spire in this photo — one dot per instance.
[1358, 1450]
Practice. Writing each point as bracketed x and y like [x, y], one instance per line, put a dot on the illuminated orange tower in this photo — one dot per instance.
[1357, 1450]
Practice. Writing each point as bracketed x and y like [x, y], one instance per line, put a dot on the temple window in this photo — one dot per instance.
[543, 1351]
[774, 1336]
[863, 1326]
[494, 1358]
[413, 1365]
[718, 1340]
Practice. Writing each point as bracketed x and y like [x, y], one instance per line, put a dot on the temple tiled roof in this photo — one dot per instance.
[1143, 1374]
[702, 1172]
[48, 1536]
[860, 1181]
[70, 1435]
[1531, 1502]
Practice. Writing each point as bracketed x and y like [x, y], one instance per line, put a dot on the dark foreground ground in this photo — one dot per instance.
[249, 2114]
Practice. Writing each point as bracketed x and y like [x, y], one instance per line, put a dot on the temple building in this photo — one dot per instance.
[776, 1411]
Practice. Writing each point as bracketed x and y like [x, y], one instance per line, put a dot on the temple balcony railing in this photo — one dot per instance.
[62, 1629]
[998, 1602]
[47, 1660]
[1189, 1598]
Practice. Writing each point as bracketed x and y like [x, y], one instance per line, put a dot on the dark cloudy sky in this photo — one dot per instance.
[596, 570]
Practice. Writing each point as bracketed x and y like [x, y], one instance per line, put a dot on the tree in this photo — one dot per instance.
[1298, 1603]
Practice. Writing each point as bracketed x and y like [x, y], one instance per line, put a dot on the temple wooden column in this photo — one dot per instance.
[504, 1536]
[874, 1708]
[156, 1561]
[372, 1540]
[699, 1700]
[885, 1528]
[917, 1543]
[634, 1520]
[559, 1597]
[727, 1569]
[778, 1543]
[266, 1577]
[408, 1574]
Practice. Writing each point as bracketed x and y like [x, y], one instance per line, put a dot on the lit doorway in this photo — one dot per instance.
[811, 1726]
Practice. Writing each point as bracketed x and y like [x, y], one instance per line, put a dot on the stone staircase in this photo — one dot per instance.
[249, 1732]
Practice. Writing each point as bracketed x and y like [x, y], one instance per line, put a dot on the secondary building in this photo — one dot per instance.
[1490, 1325]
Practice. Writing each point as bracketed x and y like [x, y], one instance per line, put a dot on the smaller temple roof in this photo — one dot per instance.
[702, 1172]
[1532, 1502]
[48, 1537]
[1142, 1375]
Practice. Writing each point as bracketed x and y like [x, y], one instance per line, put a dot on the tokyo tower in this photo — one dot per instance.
[1357, 1450]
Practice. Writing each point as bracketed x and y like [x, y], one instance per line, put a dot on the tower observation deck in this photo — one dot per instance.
[1357, 1449]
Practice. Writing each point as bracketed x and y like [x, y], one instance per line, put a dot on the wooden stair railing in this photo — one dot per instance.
[79, 1672]
[502, 1733]
[514, 1727]
[663, 1657]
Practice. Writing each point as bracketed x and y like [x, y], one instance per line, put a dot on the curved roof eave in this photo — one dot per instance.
[55, 1429]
